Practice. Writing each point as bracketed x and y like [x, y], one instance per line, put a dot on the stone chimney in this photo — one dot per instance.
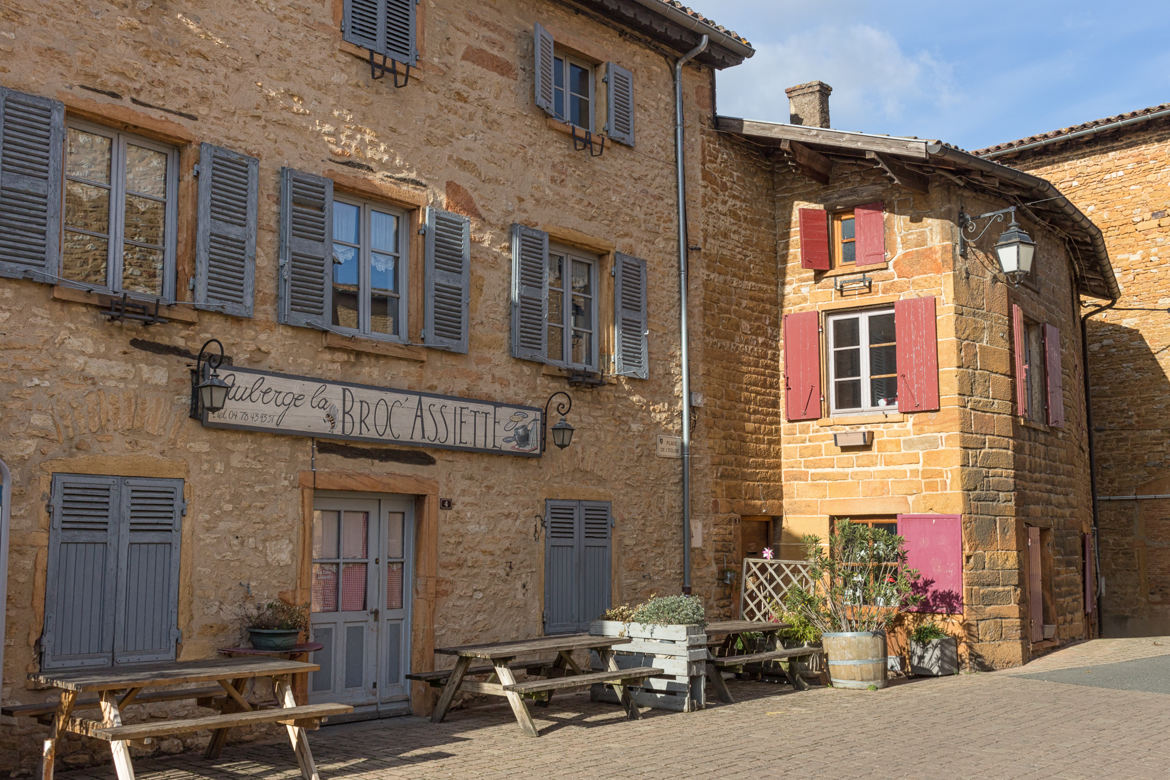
[808, 104]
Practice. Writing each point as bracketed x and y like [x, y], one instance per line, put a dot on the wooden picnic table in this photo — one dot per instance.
[119, 688]
[724, 633]
[563, 673]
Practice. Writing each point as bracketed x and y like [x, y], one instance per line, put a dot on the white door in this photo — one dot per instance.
[361, 599]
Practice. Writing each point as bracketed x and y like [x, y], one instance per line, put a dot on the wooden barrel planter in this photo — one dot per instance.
[857, 659]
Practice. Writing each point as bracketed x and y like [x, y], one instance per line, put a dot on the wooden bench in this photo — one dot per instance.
[210, 696]
[716, 665]
[439, 677]
[304, 716]
[619, 677]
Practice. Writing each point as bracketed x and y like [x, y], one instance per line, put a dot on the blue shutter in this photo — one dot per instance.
[383, 26]
[630, 332]
[448, 276]
[399, 31]
[542, 44]
[596, 520]
[306, 249]
[225, 238]
[146, 621]
[362, 23]
[32, 137]
[80, 583]
[561, 567]
[619, 122]
[529, 293]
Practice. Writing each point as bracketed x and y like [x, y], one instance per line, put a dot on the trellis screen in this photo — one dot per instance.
[765, 583]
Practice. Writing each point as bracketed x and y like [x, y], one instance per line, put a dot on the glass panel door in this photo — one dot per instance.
[394, 635]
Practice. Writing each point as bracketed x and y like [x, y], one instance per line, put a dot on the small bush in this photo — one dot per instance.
[277, 615]
[664, 610]
[623, 613]
[928, 632]
[800, 629]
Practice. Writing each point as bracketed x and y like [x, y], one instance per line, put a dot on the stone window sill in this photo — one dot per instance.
[860, 419]
[178, 312]
[374, 347]
[567, 129]
[1026, 423]
[854, 271]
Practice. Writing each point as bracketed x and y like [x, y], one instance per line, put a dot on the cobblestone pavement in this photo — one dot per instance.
[987, 725]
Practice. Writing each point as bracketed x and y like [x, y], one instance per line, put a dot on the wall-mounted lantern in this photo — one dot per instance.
[562, 432]
[208, 391]
[1015, 248]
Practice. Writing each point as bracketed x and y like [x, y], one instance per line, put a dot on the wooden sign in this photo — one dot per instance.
[302, 406]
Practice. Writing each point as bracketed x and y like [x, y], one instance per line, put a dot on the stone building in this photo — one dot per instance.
[1115, 170]
[921, 391]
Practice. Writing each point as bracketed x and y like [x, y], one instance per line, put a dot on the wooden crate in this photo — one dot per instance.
[679, 650]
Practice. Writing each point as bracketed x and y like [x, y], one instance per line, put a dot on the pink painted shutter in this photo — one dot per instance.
[917, 354]
[802, 366]
[1052, 372]
[1035, 586]
[1018, 339]
[934, 546]
[814, 239]
[1090, 576]
[870, 229]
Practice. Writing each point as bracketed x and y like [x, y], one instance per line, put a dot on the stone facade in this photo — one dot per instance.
[1118, 177]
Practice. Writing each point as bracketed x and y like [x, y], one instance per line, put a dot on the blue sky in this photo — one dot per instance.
[971, 74]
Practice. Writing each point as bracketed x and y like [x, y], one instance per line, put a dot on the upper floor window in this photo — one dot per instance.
[1039, 384]
[863, 364]
[847, 239]
[119, 214]
[844, 240]
[566, 89]
[573, 91]
[369, 268]
[572, 309]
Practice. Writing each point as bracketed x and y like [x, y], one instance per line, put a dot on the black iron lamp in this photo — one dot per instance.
[1015, 248]
[208, 391]
[562, 432]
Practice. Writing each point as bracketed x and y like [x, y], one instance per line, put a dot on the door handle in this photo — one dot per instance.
[375, 612]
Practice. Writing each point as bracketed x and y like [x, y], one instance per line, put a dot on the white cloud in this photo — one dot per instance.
[876, 85]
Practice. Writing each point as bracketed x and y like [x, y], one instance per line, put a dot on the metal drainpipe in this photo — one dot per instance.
[684, 357]
[1093, 456]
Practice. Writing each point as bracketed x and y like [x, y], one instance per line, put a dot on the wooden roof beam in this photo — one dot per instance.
[814, 165]
[900, 174]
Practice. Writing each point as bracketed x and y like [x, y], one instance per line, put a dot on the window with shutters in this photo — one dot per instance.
[384, 27]
[119, 211]
[863, 364]
[844, 246]
[111, 592]
[573, 90]
[1039, 380]
[572, 309]
[369, 269]
[1034, 370]
[842, 241]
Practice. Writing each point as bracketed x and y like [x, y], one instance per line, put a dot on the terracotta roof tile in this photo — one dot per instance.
[709, 22]
[1054, 134]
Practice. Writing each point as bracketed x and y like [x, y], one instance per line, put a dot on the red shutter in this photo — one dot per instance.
[814, 239]
[1035, 586]
[1090, 576]
[802, 366]
[870, 231]
[934, 546]
[917, 354]
[1019, 338]
[1052, 372]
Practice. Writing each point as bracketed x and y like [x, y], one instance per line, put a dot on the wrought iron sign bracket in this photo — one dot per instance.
[586, 380]
[851, 283]
[125, 309]
[378, 70]
[588, 141]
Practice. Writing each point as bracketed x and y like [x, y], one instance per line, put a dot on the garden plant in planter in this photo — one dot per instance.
[277, 625]
[933, 652]
[860, 583]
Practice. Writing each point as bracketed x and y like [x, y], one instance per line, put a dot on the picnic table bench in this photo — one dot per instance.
[724, 633]
[116, 689]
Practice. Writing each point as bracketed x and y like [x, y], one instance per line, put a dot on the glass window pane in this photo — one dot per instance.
[848, 394]
[384, 314]
[582, 278]
[394, 535]
[84, 258]
[146, 171]
[345, 286]
[883, 391]
[87, 207]
[846, 363]
[145, 220]
[555, 276]
[88, 156]
[881, 329]
[394, 573]
[579, 79]
[582, 348]
[354, 533]
[849, 253]
[883, 360]
[582, 313]
[847, 227]
[383, 231]
[559, 73]
[142, 269]
[556, 307]
[353, 587]
[324, 588]
[345, 222]
[383, 272]
[325, 534]
[556, 342]
[845, 333]
[579, 113]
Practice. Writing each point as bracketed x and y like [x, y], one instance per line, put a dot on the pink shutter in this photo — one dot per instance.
[870, 231]
[934, 546]
[917, 354]
[802, 366]
[1018, 345]
[1035, 586]
[1052, 372]
[1090, 576]
[814, 239]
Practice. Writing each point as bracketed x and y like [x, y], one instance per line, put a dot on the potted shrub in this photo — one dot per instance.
[860, 583]
[800, 633]
[933, 652]
[277, 625]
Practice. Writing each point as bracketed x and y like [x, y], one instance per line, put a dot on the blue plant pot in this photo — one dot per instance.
[273, 638]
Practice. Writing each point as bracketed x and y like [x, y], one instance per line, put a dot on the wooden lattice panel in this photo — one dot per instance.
[765, 583]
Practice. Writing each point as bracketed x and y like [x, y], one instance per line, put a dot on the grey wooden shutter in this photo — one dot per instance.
[619, 123]
[146, 617]
[306, 249]
[448, 277]
[383, 26]
[631, 350]
[82, 570]
[561, 567]
[596, 520]
[225, 238]
[529, 293]
[32, 140]
[543, 51]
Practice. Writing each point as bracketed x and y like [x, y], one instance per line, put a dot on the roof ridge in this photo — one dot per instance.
[1053, 135]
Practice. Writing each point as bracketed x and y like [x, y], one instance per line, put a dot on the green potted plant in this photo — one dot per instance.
[277, 625]
[933, 652]
[860, 582]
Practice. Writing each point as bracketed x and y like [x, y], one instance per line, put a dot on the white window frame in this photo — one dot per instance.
[561, 104]
[863, 316]
[117, 187]
[405, 222]
[568, 256]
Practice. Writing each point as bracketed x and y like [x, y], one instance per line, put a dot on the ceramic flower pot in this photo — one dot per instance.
[273, 638]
